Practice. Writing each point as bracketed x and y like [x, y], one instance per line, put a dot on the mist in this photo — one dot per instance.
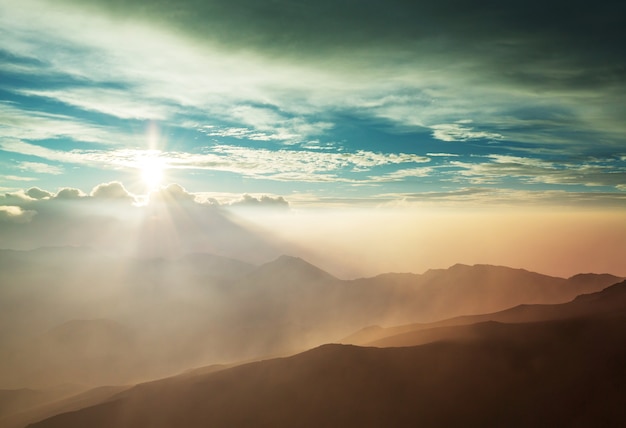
[353, 242]
[109, 289]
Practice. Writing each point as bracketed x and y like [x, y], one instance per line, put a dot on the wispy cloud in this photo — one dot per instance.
[447, 155]
[27, 124]
[163, 76]
[40, 168]
[460, 132]
[480, 197]
[271, 83]
[18, 178]
[403, 174]
[113, 102]
[591, 172]
[281, 165]
[291, 165]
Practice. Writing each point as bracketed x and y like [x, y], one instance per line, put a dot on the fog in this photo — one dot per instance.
[348, 242]
[365, 242]
[112, 289]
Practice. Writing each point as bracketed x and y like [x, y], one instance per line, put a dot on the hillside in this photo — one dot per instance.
[565, 372]
[164, 316]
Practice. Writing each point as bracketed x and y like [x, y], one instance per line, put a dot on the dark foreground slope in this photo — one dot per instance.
[568, 372]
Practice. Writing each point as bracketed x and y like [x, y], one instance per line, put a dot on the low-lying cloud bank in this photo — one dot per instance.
[167, 223]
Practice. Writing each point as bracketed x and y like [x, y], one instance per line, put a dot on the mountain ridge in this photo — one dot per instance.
[607, 301]
[507, 376]
[186, 313]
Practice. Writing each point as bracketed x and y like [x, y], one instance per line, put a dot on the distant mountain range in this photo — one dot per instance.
[547, 365]
[74, 315]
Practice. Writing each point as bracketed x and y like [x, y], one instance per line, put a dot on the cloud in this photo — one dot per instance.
[14, 214]
[69, 194]
[271, 128]
[591, 172]
[172, 193]
[264, 201]
[280, 165]
[272, 78]
[18, 178]
[288, 165]
[458, 132]
[448, 155]
[112, 191]
[37, 193]
[40, 168]
[29, 124]
[170, 224]
[289, 28]
[112, 102]
[402, 174]
[274, 73]
[477, 197]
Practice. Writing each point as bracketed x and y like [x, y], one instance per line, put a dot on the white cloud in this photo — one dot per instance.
[18, 178]
[481, 196]
[283, 165]
[112, 191]
[18, 124]
[142, 72]
[263, 201]
[40, 168]
[403, 174]
[108, 101]
[591, 173]
[15, 214]
[458, 132]
[69, 194]
[171, 223]
[172, 193]
[449, 155]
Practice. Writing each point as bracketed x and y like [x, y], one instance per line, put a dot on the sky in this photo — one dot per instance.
[327, 106]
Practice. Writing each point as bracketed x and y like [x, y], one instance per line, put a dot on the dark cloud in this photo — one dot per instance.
[518, 35]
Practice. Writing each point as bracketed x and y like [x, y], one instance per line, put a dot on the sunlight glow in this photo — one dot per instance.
[152, 172]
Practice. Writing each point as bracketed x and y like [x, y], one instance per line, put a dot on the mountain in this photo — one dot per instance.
[292, 269]
[554, 373]
[462, 289]
[54, 402]
[203, 309]
[609, 301]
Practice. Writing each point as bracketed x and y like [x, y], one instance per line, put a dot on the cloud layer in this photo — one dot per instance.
[322, 93]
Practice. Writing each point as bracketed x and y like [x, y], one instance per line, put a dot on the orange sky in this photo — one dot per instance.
[557, 242]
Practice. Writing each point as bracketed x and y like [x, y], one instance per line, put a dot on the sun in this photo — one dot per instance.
[152, 172]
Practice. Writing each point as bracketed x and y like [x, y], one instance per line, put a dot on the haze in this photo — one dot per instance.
[328, 213]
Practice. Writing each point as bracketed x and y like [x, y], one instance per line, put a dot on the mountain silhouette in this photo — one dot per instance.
[568, 372]
[611, 300]
[203, 309]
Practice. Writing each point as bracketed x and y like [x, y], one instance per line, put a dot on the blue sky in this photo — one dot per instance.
[320, 104]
